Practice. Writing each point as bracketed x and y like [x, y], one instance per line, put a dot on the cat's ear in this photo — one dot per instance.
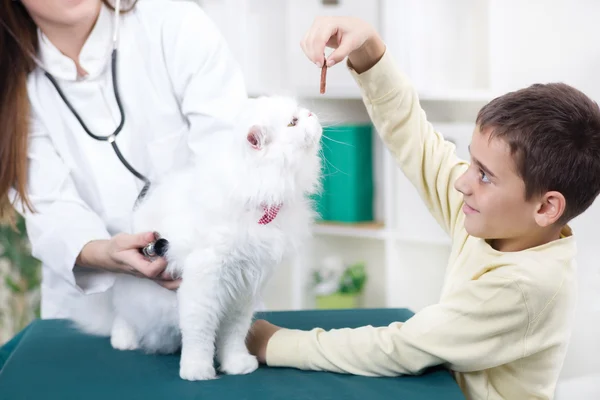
[256, 137]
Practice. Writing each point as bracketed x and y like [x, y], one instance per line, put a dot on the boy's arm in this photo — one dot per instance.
[427, 160]
[479, 327]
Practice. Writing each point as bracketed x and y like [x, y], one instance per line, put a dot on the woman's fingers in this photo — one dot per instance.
[149, 269]
[171, 284]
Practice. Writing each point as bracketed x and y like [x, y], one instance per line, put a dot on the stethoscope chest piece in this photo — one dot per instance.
[156, 248]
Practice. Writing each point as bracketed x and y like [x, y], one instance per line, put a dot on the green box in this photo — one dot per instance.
[347, 194]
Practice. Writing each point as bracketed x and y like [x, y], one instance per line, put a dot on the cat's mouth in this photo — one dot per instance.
[310, 141]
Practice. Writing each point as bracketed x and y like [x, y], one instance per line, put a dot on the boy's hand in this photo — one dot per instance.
[259, 335]
[350, 37]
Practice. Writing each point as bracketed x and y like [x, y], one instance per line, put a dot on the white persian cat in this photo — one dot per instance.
[229, 220]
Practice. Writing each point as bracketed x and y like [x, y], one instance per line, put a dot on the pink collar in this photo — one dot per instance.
[270, 214]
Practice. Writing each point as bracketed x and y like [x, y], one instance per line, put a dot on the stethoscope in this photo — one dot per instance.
[159, 246]
[113, 136]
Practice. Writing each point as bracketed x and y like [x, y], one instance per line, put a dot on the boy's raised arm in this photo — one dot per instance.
[427, 160]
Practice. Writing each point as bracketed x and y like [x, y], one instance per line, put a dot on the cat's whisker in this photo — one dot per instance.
[326, 175]
[331, 124]
[337, 141]
[336, 169]
[327, 162]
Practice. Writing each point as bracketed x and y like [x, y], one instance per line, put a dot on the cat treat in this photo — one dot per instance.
[323, 77]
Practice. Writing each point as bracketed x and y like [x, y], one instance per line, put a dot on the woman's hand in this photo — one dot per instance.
[350, 37]
[121, 254]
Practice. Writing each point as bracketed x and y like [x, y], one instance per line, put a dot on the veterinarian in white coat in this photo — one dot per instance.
[178, 83]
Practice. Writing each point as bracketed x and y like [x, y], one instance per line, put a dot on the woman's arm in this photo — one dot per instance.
[65, 232]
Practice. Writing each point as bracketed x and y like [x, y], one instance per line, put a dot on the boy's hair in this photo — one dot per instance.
[553, 131]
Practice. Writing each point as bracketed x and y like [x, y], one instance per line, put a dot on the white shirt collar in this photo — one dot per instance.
[94, 56]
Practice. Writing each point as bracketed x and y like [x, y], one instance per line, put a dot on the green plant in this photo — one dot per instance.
[353, 279]
[20, 279]
[338, 285]
[333, 276]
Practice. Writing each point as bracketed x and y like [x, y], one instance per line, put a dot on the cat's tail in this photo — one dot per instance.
[94, 314]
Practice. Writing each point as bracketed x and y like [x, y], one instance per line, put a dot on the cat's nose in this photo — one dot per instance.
[309, 114]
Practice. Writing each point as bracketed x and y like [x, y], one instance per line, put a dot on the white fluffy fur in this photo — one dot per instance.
[209, 212]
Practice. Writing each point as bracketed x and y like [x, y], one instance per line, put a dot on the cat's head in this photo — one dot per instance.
[281, 139]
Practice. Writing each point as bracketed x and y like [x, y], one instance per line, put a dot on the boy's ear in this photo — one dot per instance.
[551, 208]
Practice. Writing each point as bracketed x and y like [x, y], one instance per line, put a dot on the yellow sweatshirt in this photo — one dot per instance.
[503, 320]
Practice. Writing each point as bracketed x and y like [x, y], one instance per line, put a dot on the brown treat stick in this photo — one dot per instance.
[323, 76]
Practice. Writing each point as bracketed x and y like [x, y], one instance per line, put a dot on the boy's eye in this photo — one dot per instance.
[293, 122]
[484, 177]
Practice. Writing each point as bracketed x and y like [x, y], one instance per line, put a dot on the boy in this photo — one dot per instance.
[502, 324]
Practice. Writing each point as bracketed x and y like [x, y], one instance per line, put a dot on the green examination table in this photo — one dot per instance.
[50, 360]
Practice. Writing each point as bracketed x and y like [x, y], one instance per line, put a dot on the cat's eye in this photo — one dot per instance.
[293, 122]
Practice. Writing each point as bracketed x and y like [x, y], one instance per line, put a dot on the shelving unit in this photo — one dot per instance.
[404, 248]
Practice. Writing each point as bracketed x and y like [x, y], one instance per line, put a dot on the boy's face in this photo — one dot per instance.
[494, 193]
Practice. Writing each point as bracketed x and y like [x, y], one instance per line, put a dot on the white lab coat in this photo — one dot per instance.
[178, 83]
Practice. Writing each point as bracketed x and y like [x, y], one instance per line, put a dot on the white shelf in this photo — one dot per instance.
[374, 231]
[334, 93]
[353, 93]
[433, 241]
[457, 95]
[366, 231]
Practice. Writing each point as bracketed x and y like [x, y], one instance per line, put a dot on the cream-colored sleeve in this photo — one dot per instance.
[426, 158]
[481, 326]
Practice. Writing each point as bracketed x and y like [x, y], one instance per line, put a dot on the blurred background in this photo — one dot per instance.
[376, 244]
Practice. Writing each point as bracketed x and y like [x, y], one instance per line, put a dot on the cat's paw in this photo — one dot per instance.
[123, 339]
[196, 371]
[239, 364]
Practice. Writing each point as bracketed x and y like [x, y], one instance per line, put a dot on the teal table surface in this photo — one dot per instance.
[51, 360]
